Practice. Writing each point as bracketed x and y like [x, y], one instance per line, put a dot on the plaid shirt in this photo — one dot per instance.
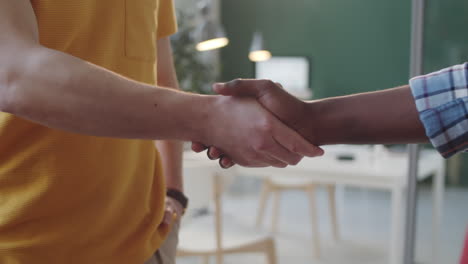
[442, 101]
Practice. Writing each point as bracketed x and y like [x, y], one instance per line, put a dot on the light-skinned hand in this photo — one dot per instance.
[173, 212]
[272, 97]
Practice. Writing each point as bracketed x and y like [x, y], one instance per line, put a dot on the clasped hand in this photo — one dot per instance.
[266, 121]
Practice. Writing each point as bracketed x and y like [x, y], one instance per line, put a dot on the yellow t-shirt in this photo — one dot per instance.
[68, 198]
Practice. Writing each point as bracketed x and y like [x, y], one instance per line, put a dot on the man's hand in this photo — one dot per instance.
[173, 212]
[272, 97]
[382, 117]
[252, 136]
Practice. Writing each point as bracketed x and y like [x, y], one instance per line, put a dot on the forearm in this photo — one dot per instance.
[171, 150]
[383, 117]
[171, 158]
[64, 92]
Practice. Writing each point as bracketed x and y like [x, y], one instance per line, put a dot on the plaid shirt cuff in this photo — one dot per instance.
[442, 101]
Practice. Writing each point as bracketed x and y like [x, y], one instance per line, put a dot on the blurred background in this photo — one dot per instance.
[349, 206]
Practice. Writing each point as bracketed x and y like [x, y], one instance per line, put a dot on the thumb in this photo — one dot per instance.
[238, 87]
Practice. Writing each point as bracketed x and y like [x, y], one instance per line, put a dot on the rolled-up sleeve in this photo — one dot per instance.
[442, 102]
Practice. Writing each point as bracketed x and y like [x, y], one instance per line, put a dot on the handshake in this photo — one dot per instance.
[261, 125]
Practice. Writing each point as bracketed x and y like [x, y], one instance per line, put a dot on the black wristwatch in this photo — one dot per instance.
[178, 196]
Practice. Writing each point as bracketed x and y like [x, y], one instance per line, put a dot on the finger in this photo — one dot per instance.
[225, 162]
[214, 153]
[259, 158]
[251, 87]
[264, 158]
[274, 162]
[198, 147]
[175, 205]
[257, 162]
[242, 87]
[168, 216]
[295, 143]
[279, 152]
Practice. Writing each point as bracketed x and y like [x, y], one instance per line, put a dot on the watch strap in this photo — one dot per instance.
[178, 196]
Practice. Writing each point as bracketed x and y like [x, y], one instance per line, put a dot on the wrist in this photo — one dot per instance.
[330, 121]
[194, 116]
[312, 127]
[202, 113]
[178, 196]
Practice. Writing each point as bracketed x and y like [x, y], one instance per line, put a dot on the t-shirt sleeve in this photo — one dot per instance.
[167, 22]
[442, 102]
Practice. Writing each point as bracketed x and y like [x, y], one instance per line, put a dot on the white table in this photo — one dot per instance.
[384, 170]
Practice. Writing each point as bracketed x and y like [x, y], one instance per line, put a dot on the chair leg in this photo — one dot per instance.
[206, 259]
[396, 235]
[331, 189]
[276, 205]
[314, 220]
[270, 252]
[219, 258]
[263, 199]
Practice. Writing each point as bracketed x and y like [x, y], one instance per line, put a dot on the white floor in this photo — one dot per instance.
[364, 225]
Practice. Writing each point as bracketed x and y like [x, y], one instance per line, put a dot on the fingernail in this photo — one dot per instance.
[322, 152]
[228, 164]
[316, 153]
[319, 152]
[223, 164]
[208, 153]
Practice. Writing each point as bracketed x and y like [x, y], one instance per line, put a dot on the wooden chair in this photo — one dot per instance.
[215, 235]
[276, 185]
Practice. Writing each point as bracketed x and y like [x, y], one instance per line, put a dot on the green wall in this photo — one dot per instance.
[354, 45]
[446, 40]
